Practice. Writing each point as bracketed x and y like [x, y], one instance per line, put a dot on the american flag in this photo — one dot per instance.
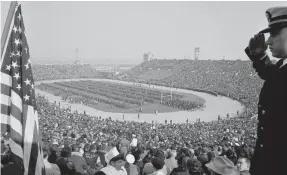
[18, 106]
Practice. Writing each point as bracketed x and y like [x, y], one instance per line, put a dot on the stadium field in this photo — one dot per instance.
[123, 98]
[214, 106]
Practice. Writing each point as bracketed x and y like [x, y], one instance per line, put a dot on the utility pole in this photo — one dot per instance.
[171, 89]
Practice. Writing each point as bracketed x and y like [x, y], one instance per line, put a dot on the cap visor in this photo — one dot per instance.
[120, 156]
[267, 30]
[274, 28]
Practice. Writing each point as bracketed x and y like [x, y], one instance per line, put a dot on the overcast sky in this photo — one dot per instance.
[122, 31]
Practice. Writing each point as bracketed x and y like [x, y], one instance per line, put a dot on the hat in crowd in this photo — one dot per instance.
[120, 156]
[148, 168]
[222, 166]
[114, 155]
[100, 173]
[277, 18]
[130, 158]
[157, 163]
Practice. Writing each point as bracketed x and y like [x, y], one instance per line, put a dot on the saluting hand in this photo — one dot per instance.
[257, 46]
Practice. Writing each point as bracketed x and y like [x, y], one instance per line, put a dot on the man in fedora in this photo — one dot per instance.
[116, 165]
[270, 155]
[222, 166]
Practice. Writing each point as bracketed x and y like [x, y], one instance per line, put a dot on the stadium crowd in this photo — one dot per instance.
[65, 71]
[234, 79]
[77, 143]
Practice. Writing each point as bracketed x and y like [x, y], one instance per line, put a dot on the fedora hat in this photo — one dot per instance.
[223, 166]
[120, 156]
[114, 155]
[277, 18]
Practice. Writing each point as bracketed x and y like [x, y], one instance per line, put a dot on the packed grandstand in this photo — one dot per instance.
[63, 130]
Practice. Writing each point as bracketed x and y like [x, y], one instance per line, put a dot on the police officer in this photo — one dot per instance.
[270, 151]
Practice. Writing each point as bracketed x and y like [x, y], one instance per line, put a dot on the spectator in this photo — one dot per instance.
[210, 156]
[148, 169]
[101, 155]
[53, 153]
[50, 168]
[194, 167]
[78, 160]
[66, 167]
[243, 165]
[158, 165]
[115, 166]
[180, 170]
[171, 162]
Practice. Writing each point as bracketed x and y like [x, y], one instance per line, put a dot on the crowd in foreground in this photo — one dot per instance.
[76, 143]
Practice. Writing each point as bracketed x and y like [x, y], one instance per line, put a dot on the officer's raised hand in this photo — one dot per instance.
[257, 47]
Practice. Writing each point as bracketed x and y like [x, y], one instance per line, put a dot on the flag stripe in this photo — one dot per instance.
[16, 137]
[5, 100]
[5, 89]
[4, 128]
[14, 111]
[34, 151]
[40, 161]
[16, 100]
[6, 79]
[16, 148]
[13, 122]
[5, 110]
[28, 136]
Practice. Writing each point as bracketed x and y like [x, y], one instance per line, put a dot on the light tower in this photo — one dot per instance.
[196, 53]
[145, 57]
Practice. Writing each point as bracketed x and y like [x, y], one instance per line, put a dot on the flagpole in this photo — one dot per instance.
[7, 25]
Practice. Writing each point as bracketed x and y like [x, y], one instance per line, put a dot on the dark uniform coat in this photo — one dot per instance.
[270, 155]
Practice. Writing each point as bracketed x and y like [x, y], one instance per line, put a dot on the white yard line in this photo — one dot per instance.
[214, 106]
